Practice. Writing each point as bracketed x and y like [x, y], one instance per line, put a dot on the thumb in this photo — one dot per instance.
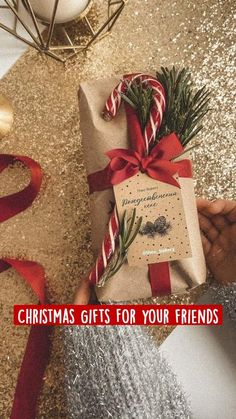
[83, 292]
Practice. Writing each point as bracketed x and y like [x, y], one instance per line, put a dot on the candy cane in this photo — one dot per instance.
[107, 249]
[156, 114]
[111, 108]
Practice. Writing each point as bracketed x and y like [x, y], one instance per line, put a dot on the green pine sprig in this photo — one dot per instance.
[128, 231]
[140, 99]
[185, 106]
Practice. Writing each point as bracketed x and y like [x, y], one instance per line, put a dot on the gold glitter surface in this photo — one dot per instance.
[55, 230]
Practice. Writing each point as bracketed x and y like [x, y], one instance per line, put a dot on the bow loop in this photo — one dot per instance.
[167, 148]
[158, 165]
[121, 156]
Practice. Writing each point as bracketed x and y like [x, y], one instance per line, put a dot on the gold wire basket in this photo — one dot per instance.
[62, 41]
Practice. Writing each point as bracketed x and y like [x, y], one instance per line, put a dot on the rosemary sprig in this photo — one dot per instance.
[128, 231]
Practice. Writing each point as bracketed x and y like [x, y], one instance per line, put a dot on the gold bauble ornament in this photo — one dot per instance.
[6, 116]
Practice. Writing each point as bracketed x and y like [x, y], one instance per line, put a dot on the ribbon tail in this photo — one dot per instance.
[162, 176]
[32, 273]
[159, 276]
[37, 352]
[170, 146]
[30, 378]
[100, 181]
[184, 168]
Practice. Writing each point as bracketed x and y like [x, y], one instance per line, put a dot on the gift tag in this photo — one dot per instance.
[163, 235]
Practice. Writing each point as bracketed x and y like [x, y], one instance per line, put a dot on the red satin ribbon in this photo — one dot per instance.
[13, 204]
[159, 165]
[159, 275]
[125, 163]
[37, 350]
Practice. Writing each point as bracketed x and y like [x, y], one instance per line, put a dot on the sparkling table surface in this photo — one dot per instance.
[55, 230]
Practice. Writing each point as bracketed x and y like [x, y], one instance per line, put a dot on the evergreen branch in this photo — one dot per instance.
[185, 151]
[128, 232]
[185, 108]
[141, 99]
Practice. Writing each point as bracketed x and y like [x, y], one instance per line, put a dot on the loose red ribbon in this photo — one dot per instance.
[13, 204]
[159, 165]
[37, 350]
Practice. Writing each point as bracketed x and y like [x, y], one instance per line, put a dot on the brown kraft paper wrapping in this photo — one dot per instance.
[99, 136]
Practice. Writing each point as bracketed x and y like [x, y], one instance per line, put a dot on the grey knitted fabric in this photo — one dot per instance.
[117, 372]
[226, 295]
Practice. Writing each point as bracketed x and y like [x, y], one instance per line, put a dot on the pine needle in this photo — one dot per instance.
[185, 107]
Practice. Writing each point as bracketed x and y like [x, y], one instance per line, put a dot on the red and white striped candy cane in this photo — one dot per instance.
[156, 114]
[112, 105]
[107, 249]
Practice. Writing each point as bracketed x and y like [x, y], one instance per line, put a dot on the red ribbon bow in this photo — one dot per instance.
[125, 163]
[158, 165]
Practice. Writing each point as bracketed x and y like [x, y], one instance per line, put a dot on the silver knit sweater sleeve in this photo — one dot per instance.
[226, 295]
[117, 372]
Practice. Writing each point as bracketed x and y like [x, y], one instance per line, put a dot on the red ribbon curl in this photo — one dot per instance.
[37, 350]
[14, 204]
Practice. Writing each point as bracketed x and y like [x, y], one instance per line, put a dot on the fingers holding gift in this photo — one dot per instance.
[221, 260]
[218, 207]
[224, 207]
[206, 244]
[210, 210]
[208, 228]
[202, 205]
[220, 222]
[83, 292]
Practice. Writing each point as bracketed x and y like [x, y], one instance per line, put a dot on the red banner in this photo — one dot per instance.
[121, 315]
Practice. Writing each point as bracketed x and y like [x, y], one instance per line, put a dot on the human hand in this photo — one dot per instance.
[85, 293]
[218, 230]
